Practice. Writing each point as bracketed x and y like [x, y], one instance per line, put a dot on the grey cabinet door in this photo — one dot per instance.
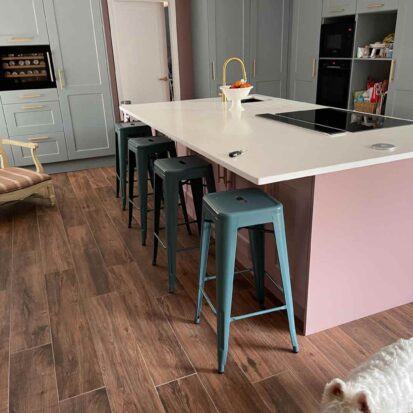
[400, 97]
[79, 52]
[269, 46]
[228, 22]
[4, 135]
[22, 22]
[369, 6]
[305, 45]
[332, 8]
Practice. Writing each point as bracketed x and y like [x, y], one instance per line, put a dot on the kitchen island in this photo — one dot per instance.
[348, 207]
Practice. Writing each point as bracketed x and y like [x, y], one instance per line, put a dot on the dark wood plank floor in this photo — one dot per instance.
[87, 325]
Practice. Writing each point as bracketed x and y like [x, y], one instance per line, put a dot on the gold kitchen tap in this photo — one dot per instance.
[224, 72]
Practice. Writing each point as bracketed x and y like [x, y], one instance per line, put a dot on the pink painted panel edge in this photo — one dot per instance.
[361, 245]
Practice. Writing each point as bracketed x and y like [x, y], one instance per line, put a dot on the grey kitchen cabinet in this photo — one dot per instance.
[400, 95]
[22, 22]
[332, 8]
[370, 6]
[269, 46]
[79, 53]
[254, 30]
[4, 135]
[51, 148]
[30, 118]
[304, 50]
[28, 96]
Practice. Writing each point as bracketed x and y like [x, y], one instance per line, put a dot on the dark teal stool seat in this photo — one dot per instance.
[142, 153]
[123, 132]
[229, 212]
[169, 175]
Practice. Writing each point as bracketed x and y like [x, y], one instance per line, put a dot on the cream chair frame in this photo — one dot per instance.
[31, 190]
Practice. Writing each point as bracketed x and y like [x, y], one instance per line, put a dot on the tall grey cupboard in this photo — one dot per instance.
[79, 53]
[400, 96]
[254, 30]
[304, 49]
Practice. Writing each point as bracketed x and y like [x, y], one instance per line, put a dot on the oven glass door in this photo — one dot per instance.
[26, 67]
[333, 84]
[337, 40]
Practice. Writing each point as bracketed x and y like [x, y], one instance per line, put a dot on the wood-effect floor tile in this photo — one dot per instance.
[77, 367]
[127, 379]
[32, 381]
[4, 350]
[6, 243]
[93, 402]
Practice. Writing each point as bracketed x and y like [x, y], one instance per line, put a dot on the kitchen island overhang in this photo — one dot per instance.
[344, 202]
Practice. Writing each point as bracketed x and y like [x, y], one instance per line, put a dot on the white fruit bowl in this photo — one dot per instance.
[235, 96]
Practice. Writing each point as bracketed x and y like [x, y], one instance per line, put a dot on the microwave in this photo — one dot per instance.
[337, 39]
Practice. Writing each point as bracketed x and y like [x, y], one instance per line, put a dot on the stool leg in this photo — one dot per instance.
[142, 166]
[184, 210]
[171, 219]
[197, 195]
[226, 240]
[117, 164]
[157, 214]
[123, 149]
[131, 177]
[257, 245]
[203, 260]
[279, 229]
[210, 180]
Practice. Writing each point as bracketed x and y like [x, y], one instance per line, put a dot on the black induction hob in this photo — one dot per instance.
[335, 121]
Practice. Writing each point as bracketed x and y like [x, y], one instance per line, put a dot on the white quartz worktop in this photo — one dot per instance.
[273, 151]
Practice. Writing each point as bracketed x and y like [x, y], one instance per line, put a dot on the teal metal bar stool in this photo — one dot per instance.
[169, 174]
[229, 212]
[142, 153]
[123, 132]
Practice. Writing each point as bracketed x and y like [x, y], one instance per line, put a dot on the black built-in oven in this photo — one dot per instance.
[333, 83]
[337, 38]
[26, 67]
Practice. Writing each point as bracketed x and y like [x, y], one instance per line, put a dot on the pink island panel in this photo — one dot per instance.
[361, 258]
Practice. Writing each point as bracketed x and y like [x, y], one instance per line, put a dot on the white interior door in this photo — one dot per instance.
[140, 50]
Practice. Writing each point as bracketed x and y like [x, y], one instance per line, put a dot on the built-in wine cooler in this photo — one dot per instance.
[26, 67]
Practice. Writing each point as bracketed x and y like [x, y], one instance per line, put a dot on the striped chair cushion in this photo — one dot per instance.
[13, 179]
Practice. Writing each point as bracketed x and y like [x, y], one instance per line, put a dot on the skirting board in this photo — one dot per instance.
[78, 165]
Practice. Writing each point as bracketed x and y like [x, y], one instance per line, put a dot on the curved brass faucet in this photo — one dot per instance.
[224, 72]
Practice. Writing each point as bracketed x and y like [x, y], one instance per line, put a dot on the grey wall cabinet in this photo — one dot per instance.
[304, 50]
[370, 6]
[333, 8]
[79, 53]
[255, 30]
[268, 46]
[22, 22]
[400, 97]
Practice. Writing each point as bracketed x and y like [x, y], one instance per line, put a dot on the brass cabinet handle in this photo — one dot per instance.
[29, 107]
[337, 10]
[19, 39]
[39, 139]
[164, 78]
[392, 67]
[29, 96]
[213, 70]
[60, 72]
[254, 68]
[313, 73]
[375, 5]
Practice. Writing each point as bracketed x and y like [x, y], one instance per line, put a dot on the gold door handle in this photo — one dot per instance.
[254, 68]
[30, 96]
[213, 70]
[19, 39]
[61, 74]
[337, 10]
[29, 107]
[375, 5]
[39, 139]
[313, 73]
[392, 67]
[164, 78]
